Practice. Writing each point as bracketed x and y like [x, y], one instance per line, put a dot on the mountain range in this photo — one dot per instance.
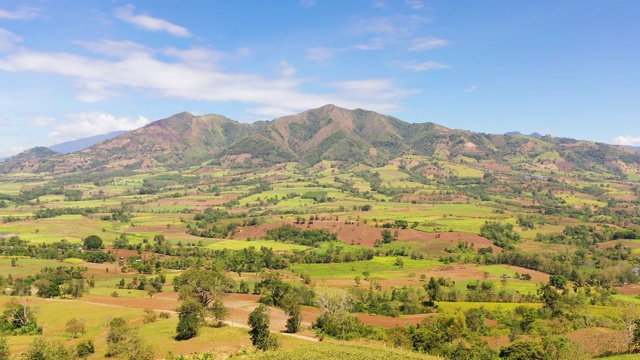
[326, 133]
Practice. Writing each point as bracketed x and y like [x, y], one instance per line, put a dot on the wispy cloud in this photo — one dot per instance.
[147, 22]
[117, 49]
[84, 124]
[41, 121]
[23, 13]
[400, 26]
[374, 44]
[415, 4]
[470, 89]
[628, 140]
[321, 53]
[427, 43]
[8, 39]
[307, 3]
[188, 76]
[424, 66]
[379, 4]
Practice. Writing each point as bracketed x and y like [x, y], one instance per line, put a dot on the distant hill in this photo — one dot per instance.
[4, 158]
[31, 160]
[81, 144]
[518, 133]
[348, 137]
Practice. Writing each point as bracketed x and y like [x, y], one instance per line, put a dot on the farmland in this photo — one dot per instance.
[533, 262]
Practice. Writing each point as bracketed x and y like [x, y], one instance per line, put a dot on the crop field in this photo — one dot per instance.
[511, 256]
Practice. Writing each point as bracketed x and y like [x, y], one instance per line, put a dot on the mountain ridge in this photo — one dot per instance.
[335, 134]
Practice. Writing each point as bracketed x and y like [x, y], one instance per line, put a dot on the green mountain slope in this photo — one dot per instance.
[334, 134]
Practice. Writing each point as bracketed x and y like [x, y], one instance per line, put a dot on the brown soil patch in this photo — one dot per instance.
[496, 342]
[633, 289]
[597, 341]
[360, 234]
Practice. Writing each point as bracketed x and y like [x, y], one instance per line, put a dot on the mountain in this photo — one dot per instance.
[31, 160]
[518, 133]
[81, 144]
[348, 137]
[4, 158]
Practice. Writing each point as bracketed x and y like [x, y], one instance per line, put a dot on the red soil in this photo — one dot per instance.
[360, 234]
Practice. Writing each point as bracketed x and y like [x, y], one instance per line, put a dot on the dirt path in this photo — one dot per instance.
[228, 322]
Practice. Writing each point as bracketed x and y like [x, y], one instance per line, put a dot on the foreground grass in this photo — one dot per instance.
[331, 351]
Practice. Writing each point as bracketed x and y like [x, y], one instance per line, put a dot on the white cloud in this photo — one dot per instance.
[41, 121]
[85, 124]
[424, 66]
[272, 111]
[427, 43]
[144, 70]
[286, 69]
[400, 26]
[117, 49]
[20, 14]
[373, 94]
[307, 3]
[150, 23]
[471, 89]
[8, 39]
[13, 150]
[379, 4]
[628, 140]
[321, 53]
[415, 4]
[374, 44]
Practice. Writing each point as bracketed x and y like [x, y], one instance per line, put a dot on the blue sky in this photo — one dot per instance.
[72, 69]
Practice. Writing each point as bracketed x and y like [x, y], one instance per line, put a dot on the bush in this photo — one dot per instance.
[85, 348]
[149, 316]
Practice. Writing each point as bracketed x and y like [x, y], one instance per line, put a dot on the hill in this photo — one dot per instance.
[30, 160]
[334, 134]
[81, 144]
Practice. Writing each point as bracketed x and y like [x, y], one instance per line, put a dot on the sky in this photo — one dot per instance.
[71, 69]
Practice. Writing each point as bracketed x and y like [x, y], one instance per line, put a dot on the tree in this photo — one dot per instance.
[295, 320]
[117, 333]
[558, 281]
[85, 348]
[93, 242]
[4, 349]
[523, 350]
[41, 349]
[204, 286]
[125, 343]
[218, 312]
[191, 316]
[551, 299]
[386, 236]
[259, 323]
[333, 300]
[75, 327]
[21, 317]
[433, 290]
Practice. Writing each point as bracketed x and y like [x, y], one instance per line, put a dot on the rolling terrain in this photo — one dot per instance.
[333, 134]
[372, 232]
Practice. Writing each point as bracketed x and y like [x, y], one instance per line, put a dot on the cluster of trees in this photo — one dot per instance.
[502, 235]
[291, 234]
[19, 318]
[201, 294]
[14, 246]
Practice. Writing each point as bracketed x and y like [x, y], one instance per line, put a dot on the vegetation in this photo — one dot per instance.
[519, 248]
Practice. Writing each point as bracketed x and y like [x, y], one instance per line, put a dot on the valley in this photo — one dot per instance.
[381, 237]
